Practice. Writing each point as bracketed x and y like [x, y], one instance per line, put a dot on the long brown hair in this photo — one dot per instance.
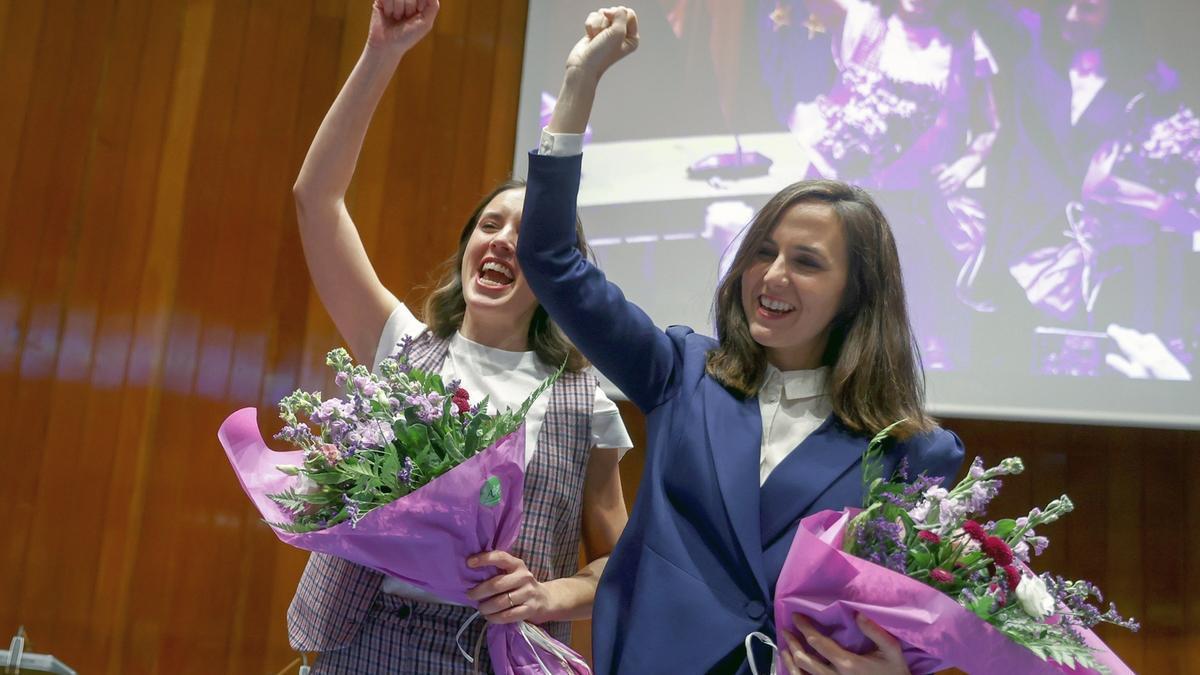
[445, 306]
[876, 376]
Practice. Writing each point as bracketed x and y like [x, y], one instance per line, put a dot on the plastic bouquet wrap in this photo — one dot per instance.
[957, 593]
[401, 474]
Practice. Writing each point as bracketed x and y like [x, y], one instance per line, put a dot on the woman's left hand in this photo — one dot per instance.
[887, 659]
[512, 595]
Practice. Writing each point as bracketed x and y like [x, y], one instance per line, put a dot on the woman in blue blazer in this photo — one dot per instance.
[814, 354]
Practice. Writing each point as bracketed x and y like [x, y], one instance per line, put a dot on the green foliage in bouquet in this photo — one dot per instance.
[385, 436]
[928, 533]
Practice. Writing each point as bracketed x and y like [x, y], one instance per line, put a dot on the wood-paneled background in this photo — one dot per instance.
[151, 282]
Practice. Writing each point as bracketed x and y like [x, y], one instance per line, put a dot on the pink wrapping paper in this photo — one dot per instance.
[830, 587]
[423, 538]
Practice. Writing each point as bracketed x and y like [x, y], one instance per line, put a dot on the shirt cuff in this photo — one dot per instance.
[560, 145]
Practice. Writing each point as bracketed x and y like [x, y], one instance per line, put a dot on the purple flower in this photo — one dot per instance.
[372, 435]
[880, 541]
[429, 406]
[340, 379]
[401, 354]
[365, 386]
[338, 430]
[298, 434]
[404, 475]
[976, 470]
[405, 344]
[981, 495]
[332, 409]
[1039, 544]
[351, 508]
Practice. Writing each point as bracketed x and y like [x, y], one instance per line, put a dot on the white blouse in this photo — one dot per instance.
[792, 404]
[506, 378]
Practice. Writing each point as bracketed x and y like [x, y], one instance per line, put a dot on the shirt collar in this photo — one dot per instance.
[799, 383]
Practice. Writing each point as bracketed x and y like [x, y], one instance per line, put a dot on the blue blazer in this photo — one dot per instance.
[695, 570]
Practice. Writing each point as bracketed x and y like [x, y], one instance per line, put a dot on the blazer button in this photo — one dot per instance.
[755, 610]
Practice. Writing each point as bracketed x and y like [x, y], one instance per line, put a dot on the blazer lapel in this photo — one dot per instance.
[735, 439]
[819, 461]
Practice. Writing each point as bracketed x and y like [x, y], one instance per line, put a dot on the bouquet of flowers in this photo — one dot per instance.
[956, 592]
[400, 473]
[869, 122]
[382, 439]
[1164, 154]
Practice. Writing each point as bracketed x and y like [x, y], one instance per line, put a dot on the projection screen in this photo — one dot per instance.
[1038, 162]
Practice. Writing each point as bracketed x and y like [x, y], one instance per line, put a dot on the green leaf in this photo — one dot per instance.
[389, 467]
[354, 468]
[872, 461]
[982, 606]
[1004, 527]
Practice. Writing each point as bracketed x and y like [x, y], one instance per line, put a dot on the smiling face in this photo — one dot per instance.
[792, 288]
[494, 290]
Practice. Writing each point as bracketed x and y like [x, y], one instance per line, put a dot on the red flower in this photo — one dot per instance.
[462, 400]
[1001, 596]
[931, 537]
[974, 530]
[997, 550]
[941, 576]
[1012, 576]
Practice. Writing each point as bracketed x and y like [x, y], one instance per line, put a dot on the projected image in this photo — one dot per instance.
[1039, 162]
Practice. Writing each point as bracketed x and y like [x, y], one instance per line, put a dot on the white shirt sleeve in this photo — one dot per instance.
[608, 429]
[560, 145]
[400, 322]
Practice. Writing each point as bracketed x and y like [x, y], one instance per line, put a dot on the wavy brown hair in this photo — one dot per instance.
[445, 306]
[876, 376]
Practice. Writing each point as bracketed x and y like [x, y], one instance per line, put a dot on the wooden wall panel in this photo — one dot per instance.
[152, 281]
[1136, 498]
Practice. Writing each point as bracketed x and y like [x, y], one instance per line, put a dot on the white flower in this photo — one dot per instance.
[1035, 599]
[920, 511]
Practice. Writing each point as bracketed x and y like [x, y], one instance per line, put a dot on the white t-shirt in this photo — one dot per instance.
[506, 378]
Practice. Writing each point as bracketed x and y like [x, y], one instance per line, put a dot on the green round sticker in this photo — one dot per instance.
[489, 495]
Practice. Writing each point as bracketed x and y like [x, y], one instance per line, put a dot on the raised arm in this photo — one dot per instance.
[612, 332]
[345, 280]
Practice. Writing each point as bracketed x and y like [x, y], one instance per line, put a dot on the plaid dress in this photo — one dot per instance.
[340, 611]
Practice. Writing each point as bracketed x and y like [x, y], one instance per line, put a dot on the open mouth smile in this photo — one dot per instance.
[495, 274]
[772, 308]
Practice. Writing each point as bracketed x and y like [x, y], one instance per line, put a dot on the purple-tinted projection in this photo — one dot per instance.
[1039, 161]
